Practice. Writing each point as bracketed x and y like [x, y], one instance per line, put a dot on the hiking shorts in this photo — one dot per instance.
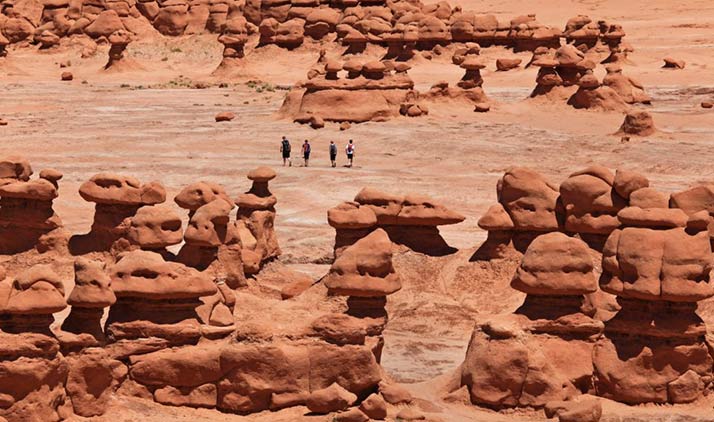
[333, 156]
[286, 154]
[349, 156]
[307, 155]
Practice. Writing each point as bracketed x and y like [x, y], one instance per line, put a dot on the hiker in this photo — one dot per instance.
[306, 152]
[333, 153]
[285, 149]
[350, 150]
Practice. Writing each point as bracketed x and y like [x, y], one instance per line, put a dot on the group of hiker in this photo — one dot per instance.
[286, 148]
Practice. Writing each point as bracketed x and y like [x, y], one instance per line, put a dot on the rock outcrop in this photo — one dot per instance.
[117, 199]
[543, 351]
[234, 37]
[28, 302]
[365, 274]
[156, 298]
[27, 220]
[256, 221]
[92, 293]
[409, 220]
[658, 264]
[526, 208]
[637, 123]
[370, 91]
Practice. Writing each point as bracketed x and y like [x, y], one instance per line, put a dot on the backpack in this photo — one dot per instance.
[350, 149]
[286, 146]
[333, 149]
[307, 148]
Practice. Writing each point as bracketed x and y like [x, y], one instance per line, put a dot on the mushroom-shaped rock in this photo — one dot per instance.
[51, 175]
[144, 274]
[262, 174]
[119, 40]
[106, 188]
[555, 264]
[374, 70]
[198, 194]
[365, 269]
[91, 294]
[155, 227]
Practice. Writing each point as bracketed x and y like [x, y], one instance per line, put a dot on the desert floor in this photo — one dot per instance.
[150, 123]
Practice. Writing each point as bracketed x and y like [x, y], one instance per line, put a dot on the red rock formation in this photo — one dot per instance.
[371, 92]
[659, 267]
[637, 123]
[527, 208]
[28, 302]
[118, 62]
[33, 377]
[156, 298]
[591, 204]
[213, 243]
[27, 219]
[364, 272]
[628, 89]
[234, 37]
[91, 294]
[410, 220]
[117, 199]
[543, 351]
[256, 220]
[527, 34]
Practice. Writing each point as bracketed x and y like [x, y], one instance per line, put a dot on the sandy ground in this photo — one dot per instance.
[151, 124]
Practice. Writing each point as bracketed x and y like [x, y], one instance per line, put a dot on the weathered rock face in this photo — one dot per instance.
[526, 207]
[33, 375]
[410, 220]
[213, 245]
[27, 220]
[591, 204]
[659, 266]
[543, 351]
[170, 333]
[586, 204]
[256, 219]
[28, 302]
[156, 298]
[91, 294]
[117, 199]
[370, 92]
